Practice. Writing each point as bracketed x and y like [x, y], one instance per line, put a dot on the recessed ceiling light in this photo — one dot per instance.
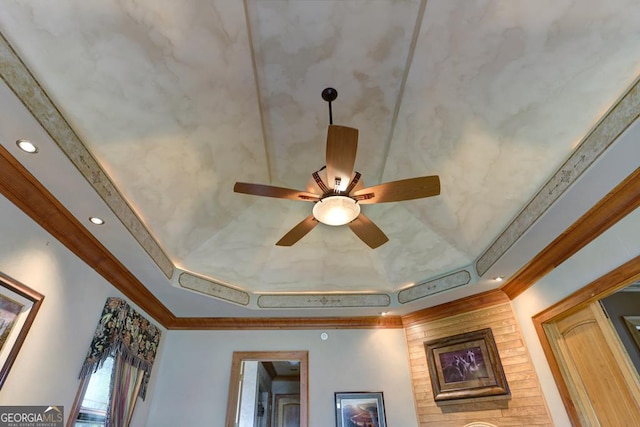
[97, 221]
[384, 313]
[498, 278]
[26, 146]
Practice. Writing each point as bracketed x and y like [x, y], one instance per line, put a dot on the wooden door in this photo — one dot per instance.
[291, 415]
[602, 383]
[287, 410]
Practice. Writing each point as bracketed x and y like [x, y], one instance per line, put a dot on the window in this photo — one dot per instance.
[110, 392]
[92, 401]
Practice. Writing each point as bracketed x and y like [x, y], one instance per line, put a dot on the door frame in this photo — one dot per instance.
[604, 286]
[264, 356]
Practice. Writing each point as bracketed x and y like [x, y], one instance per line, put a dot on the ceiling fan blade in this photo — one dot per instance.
[298, 232]
[342, 145]
[368, 232]
[396, 191]
[271, 191]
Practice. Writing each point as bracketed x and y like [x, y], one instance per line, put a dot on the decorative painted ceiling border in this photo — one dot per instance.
[221, 291]
[619, 203]
[435, 286]
[212, 288]
[29, 195]
[323, 300]
[24, 85]
[622, 114]
[224, 292]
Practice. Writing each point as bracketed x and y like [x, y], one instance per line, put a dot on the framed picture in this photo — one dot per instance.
[633, 324]
[465, 366]
[360, 409]
[18, 307]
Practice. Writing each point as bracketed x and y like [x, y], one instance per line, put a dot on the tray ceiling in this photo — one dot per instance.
[176, 101]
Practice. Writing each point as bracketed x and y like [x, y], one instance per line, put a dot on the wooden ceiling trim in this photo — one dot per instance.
[621, 201]
[602, 287]
[254, 323]
[28, 194]
[463, 305]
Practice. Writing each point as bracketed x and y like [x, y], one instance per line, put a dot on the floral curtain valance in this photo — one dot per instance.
[122, 330]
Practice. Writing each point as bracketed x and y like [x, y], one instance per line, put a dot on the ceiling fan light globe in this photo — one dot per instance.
[336, 210]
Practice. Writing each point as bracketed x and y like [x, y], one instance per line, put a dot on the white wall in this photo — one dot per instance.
[193, 380]
[46, 369]
[610, 250]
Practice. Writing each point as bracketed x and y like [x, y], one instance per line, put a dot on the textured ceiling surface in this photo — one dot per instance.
[178, 100]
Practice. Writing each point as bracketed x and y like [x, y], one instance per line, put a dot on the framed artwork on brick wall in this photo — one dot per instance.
[465, 366]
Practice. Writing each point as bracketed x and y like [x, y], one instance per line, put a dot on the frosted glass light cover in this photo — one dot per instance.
[336, 210]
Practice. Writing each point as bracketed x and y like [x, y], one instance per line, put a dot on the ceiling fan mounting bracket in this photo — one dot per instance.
[329, 94]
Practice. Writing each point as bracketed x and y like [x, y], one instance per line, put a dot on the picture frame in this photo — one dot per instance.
[633, 325]
[19, 306]
[466, 366]
[355, 409]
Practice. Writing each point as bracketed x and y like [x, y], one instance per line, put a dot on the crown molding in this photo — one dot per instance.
[462, 305]
[620, 201]
[28, 194]
[257, 323]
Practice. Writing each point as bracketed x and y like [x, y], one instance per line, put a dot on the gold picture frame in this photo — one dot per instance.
[466, 366]
[19, 305]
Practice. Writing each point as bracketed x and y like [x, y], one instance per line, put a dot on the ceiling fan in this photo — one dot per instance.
[337, 191]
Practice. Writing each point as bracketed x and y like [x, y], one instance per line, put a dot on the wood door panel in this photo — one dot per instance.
[287, 410]
[587, 352]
